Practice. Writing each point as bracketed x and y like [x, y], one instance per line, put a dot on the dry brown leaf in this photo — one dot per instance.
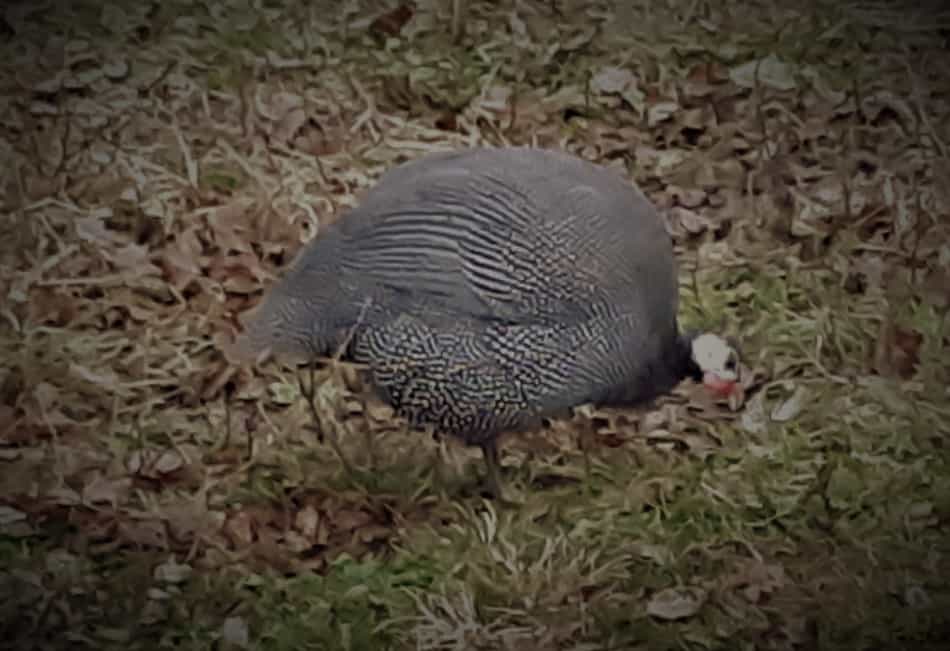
[102, 489]
[286, 129]
[660, 112]
[240, 529]
[95, 231]
[172, 572]
[320, 141]
[154, 463]
[191, 517]
[757, 579]
[63, 496]
[754, 419]
[9, 515]
[790, 408]
[134, 258]
[374, 532]
[730, 173]
[350, 519]
[47, 396]
[307, 520]
[392, 22]
[147, 533]
[448, 120]
[50, 148]
[897, 350]
[690, 221]
[769, 71]
[296, 543]
[225, 221]
[676, 603]
[235, 273]
[613, 80]
[51, 307]
[181, 258]
[935, 288]
[8, 420]
[106, 379]
[687, 197]
[116, 70]
[697, 118]
[234, 633]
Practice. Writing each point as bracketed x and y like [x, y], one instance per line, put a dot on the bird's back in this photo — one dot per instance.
[514, 233]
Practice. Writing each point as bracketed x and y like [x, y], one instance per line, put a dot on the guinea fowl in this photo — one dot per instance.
[487, 288]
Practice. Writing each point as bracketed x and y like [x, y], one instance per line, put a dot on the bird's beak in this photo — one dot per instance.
[720, 387]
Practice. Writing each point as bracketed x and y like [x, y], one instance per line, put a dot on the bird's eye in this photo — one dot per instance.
[731, 364]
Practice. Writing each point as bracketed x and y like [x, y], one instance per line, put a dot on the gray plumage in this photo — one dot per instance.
[486, 288]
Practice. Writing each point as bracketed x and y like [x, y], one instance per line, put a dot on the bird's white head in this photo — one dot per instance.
[718, 361]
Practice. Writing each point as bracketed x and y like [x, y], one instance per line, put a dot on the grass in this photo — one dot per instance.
[812, 514]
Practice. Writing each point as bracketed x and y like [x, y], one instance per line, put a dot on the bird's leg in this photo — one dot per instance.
[440, 476]
[342, 348]
[585, 437]
[458, 20]
[309, 392]
[493, 465]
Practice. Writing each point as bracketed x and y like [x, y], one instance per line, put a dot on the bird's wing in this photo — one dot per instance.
[472, 242]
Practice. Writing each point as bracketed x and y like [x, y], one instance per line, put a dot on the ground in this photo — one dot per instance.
[165, 160]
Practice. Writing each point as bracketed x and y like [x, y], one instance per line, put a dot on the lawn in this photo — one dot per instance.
[163, 163]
